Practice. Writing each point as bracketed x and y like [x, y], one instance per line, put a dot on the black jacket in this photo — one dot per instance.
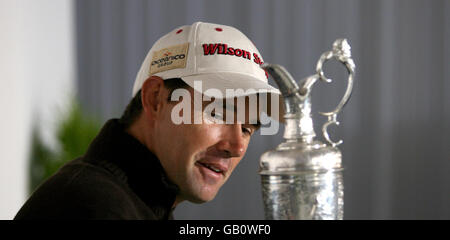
[117, 178]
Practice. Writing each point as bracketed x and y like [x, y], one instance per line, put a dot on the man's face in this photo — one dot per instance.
[199, 158]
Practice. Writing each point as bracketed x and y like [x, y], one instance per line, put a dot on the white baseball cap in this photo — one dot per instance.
[219, 56]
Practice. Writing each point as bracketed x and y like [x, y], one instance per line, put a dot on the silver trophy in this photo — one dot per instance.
[302, 178]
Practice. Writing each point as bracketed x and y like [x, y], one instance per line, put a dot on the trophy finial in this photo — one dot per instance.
[342, 48]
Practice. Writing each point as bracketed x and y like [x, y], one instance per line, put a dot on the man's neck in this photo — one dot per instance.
[137, 130]
[178, 200]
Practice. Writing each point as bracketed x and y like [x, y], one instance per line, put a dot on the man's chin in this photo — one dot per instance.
[198, 199]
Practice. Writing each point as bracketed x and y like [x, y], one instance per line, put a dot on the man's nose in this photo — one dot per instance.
[232, 143]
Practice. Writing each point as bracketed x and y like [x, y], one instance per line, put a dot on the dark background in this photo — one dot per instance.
[396, 126]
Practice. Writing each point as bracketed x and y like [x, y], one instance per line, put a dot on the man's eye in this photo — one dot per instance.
[247, 131]
[217, 115]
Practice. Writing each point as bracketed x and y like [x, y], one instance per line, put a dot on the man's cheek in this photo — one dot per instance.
[235, 163]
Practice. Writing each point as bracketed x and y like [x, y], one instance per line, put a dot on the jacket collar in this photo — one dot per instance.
[140, 169]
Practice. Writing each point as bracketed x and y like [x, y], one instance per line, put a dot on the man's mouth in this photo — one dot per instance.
[212, 168]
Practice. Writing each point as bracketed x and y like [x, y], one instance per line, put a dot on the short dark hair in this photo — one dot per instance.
[134, 107]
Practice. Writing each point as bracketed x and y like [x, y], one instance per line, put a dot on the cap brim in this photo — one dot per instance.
[229, 84]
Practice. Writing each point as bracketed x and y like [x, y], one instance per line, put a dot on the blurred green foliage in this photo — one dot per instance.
[74, 134]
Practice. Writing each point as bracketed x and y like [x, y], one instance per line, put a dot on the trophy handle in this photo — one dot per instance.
[341, 52]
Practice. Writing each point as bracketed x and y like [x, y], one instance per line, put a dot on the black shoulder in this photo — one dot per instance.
[81, 191]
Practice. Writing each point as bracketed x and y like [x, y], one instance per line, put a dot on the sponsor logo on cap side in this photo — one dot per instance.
[169, 58]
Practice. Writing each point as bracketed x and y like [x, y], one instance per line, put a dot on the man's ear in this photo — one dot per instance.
[152, 96]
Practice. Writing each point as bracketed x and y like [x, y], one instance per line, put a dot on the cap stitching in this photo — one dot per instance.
[194, 49]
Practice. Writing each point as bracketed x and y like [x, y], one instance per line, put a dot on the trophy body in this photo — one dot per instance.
[305, 191]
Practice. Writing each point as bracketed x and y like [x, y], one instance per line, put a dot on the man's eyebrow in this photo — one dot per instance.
[257, 125]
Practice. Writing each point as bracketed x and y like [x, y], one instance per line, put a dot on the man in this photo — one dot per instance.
[166, 148]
